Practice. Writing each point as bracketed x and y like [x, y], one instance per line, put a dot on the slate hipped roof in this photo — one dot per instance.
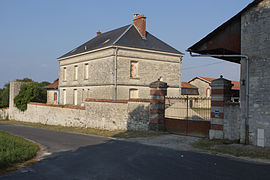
[127, 36]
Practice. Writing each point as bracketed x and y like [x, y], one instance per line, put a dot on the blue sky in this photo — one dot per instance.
[34, 33]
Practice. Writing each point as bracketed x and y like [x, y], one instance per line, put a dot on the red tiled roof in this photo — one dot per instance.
[187, 85]
[54, 85]
[207, 79]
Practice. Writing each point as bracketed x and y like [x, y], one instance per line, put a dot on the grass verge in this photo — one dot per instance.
[232, 148]
[14, 150]
[92, 131]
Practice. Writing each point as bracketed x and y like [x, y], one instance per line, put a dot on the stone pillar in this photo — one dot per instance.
[14, 90]
[158, 91]
[221, 93]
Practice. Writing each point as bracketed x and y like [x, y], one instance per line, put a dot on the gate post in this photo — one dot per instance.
[158, 91]
[221, 93]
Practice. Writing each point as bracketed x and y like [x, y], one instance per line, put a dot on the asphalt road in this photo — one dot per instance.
[76, 156]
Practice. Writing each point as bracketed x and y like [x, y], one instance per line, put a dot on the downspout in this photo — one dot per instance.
[247, 85]
[115, 73]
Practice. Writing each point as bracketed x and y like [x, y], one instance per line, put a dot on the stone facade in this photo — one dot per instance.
[109, 74]
[255, 43]
[202, 86]
[52, 96]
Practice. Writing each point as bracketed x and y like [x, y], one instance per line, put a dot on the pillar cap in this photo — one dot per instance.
[158, 84]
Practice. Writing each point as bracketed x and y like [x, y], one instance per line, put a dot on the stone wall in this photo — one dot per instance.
[97, 113]
[255, 43]
[231, 122]
[4, 113]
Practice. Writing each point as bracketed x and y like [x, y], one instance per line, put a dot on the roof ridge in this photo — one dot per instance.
[122, 34]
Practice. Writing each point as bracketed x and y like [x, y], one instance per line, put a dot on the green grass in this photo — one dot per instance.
[92, 131]
[232, 148]
[14, 150]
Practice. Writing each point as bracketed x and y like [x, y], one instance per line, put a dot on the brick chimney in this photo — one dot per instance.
[98, 33]
[139, 22]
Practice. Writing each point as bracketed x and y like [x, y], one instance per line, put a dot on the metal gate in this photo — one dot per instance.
[188, 115]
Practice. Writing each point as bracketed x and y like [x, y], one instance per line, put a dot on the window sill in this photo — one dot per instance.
[134, 78]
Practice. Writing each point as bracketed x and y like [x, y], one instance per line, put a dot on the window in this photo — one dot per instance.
[64, 97]
[88, 93]
[133, 93]
[75, 97]
[55, 96]
[64, 74]
[133, 69]
[86, 71]
[75, 73]
[83, 98]
[208, 92]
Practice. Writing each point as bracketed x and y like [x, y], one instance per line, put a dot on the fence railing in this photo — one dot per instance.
[188, 108]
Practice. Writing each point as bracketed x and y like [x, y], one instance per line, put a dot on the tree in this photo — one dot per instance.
[30, 92]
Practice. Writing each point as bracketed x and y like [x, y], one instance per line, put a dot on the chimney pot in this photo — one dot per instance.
[98, 33]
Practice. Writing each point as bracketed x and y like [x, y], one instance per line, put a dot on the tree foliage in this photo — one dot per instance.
[31, 92]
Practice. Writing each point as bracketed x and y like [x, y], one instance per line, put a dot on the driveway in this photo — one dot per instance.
[76, 156]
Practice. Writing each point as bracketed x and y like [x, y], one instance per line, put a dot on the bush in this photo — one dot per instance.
[30, 92]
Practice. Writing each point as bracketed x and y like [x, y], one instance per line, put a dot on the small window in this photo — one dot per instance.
[64, 74]
[208, 92]
[86, 71]
[88, 93]
[64, 97]
[133, 93]
[76, 73]
[75, 97]
[133, 69]
[55, 96]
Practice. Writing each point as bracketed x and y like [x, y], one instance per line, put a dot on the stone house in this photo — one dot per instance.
[245, 39]
[204, 88]
[52, 92]
[119, 64]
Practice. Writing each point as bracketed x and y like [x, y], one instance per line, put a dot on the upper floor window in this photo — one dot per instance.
[133, 69]
[64, 74]
[75, 73]
[86, 71]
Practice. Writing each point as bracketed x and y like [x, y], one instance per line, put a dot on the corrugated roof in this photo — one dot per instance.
[127, 36]
[54, 85]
